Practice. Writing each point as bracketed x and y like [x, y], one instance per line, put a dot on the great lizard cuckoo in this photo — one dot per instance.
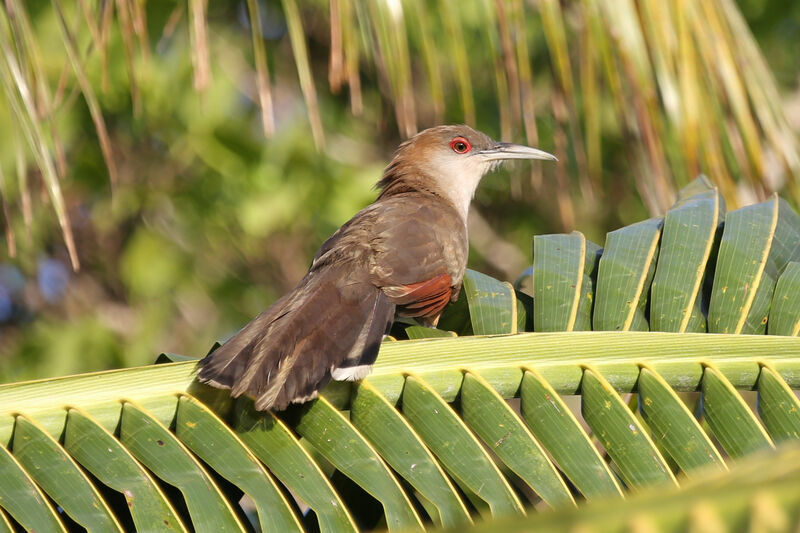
[403, 255]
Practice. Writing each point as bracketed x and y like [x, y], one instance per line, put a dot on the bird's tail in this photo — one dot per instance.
[330, 326]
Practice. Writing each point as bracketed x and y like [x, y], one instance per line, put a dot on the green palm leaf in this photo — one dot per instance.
[160, 429]
[447, 428]
[761, 492]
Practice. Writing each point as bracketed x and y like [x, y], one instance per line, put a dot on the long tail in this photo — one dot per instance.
[330, 325]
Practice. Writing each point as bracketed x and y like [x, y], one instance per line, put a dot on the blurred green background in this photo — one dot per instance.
[200, 214]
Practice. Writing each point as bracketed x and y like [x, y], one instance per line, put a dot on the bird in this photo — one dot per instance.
[404, 255]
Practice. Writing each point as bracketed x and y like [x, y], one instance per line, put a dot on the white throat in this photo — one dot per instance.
[458, 178]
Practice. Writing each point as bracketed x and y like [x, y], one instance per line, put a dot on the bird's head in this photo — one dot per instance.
[451, 160]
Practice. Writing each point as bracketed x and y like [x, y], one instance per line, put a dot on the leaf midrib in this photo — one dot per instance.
[478, 352]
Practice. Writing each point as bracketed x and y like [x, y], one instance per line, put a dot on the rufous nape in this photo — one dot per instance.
[404, 255]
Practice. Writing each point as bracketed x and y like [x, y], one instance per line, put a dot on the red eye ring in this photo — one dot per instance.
[460, 145]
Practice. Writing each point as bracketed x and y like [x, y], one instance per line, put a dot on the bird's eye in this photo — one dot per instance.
[460, 145]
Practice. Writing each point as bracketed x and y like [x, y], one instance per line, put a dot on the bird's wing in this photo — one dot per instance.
[424, 299]
[418, 254]
[410, 254]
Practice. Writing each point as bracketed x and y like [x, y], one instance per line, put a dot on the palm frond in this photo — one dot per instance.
[433, 414]
[450, 428]
[760, 492]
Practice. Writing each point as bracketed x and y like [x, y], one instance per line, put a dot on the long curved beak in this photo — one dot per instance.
[503, 151]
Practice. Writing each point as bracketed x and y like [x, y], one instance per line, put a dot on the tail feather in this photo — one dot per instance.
[363, 354]
[332, 321]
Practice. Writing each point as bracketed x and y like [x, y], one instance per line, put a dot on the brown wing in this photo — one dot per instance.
[406, 251]
[419, 252]
[424, 299]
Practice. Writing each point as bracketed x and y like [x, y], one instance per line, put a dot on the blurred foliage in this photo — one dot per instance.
[146, 118]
